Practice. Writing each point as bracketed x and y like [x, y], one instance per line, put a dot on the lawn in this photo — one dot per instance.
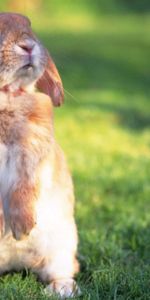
[104, 129]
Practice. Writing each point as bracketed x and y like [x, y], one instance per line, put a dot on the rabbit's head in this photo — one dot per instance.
[23, 59]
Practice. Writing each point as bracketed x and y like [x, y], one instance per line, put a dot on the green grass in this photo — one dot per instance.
[104, 129]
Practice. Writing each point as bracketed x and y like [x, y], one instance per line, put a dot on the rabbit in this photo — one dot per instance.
[37, 226]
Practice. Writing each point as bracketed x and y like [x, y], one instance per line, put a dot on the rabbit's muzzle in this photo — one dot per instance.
[22, 63]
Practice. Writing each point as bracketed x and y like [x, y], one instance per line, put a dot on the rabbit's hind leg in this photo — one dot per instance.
[60, 261]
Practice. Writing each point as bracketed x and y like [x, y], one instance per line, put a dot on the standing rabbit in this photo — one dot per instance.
[37, 227]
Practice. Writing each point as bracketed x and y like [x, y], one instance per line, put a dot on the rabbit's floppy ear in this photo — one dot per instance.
[50, 83]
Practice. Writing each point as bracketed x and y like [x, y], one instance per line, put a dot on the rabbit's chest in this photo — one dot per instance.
[9, 164]
[12, 129]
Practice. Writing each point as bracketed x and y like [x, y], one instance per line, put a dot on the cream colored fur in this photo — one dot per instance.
[50, 248]
[37, 227]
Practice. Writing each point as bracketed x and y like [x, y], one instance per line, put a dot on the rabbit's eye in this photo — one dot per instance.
[27, 46]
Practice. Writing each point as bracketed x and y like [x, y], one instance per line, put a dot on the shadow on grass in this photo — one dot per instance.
[113, 6]
[130, 117]
[89, 61]
[93, 62]
[136, 241]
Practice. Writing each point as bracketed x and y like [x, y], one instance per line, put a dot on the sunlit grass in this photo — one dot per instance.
[104, 129]
[105, 135]
[105, 124]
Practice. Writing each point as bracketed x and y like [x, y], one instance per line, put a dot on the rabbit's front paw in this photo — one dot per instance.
[21, 221]
[22, 211]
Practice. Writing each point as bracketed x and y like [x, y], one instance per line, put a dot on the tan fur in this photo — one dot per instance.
[21, 208]
[40, 196]
[37, 227]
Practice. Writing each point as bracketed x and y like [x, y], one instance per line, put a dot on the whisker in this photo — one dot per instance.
[67, 92]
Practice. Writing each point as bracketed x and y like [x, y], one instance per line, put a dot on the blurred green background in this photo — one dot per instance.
[102, 51]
